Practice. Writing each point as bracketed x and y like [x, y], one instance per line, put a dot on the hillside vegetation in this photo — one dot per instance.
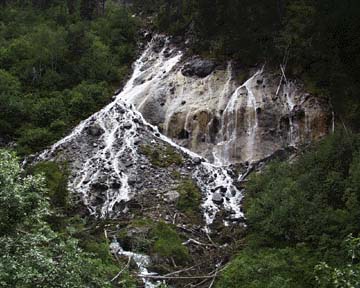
[60, 61]
[303, 220]
[58, 66]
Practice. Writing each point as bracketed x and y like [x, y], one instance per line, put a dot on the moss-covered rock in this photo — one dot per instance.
[190, 197]
[168, 244]
[162, 156]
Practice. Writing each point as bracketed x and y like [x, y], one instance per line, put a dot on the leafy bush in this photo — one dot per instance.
[58, 68]
[272, 268]
[190, 197]
[308, 201]
[32, 254]
[168, 243]
[162, 157]
[298, 215]
[56, 183]
[347, 276]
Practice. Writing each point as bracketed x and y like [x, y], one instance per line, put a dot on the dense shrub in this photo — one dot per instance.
[32, 254]
[58, 68]
[298, 215]
[190, 197]
[168, 243]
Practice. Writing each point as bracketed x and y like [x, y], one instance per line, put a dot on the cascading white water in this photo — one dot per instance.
[105, 162]
[229, 133]
[188, 105]
[252, 118]
[119, 123]
[288, 90]
[223, 121]
[142, 262]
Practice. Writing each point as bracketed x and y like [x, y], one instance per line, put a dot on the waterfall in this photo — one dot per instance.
[100, 164]
[229, 134]
[211, 121]
[219, 120]
[290, 106]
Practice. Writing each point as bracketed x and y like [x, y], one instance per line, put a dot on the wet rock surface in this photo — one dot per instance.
[117, 158]
[206, 109]
[198, 67]
[127, 173]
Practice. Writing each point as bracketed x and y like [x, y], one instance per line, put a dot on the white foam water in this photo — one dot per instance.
[120, 122]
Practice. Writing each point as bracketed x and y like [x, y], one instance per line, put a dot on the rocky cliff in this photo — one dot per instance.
[208, 110]
[159, 151]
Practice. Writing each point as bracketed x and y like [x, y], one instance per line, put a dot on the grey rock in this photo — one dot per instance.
[127, 125]
[198, 67]
[95, 130]
[132, 180]
[217, 198]
[171, 196]
[128, 163]
[100, 186]
[116, 185]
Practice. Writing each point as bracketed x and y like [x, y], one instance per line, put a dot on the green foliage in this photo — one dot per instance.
[56, 68]
[348, 276]
[168, 243]
[21, 200]
[136, 236]
[162, 157]
[56, 177]
[190, 197]
[298, 215]
[307, 201]
[273, 268]
[32, 254]
[149, 237]
[33, 139]
[10, 103]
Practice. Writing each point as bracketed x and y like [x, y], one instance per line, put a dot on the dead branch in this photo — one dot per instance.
[174, 277]
[283, 76]
[212, 242]
[196, 242]
[122, 270]
[182, 270]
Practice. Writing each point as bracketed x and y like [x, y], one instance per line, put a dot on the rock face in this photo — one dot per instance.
[128, 165]
[118, 161]
[198, 67]
[117, 157]
[227, 122]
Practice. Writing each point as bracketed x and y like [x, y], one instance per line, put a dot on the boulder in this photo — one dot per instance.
[101, 186]
[95, 130]
[198, 67]
[197, 161]
[217, 198]
[127, 125]
[171, 196]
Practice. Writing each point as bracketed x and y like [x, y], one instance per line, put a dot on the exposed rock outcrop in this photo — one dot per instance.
[124, 168]
[118, 160]
[227, 122]
[198, 67]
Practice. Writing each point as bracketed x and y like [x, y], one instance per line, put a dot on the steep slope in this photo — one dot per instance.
[116, 155]
[123, 168]
[208, 111]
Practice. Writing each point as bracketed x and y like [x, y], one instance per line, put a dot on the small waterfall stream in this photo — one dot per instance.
[117, 126]
[156, 82]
